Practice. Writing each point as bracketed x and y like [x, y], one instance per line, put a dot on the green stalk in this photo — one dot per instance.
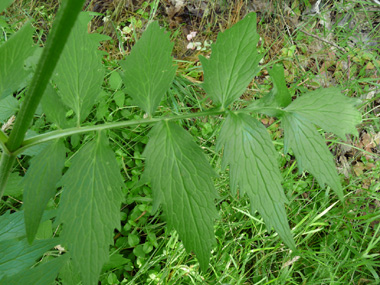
[6, 163]
[3, 137]
[81, 130]
[63, 24]
[56, 41]
[3, 140]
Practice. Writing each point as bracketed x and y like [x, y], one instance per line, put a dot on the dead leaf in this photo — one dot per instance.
[358, 168]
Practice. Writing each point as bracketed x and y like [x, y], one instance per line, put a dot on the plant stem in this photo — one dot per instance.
[6, 163]
[56, 41]
[58, 36]
[80, 130]
[3, 140]
[3, 137]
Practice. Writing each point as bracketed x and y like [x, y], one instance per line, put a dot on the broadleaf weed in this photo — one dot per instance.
[175, 167]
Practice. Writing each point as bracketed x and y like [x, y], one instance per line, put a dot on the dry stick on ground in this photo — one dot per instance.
[334, 45]
[323, 40]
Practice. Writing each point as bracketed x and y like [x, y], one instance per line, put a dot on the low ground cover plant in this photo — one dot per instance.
[65, 81]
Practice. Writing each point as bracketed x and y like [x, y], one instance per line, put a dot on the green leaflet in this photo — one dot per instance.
[181, 179]
[53, 108]
[277, 98]
[8, 107]
[280, 91]
[90, 207]
[40, 184]
[233, 63]
[149, 70]
[45, 230]
[13, 55]
[44, 273]
[249, 151]
[311, 151]
[14, 187]
[17, 255]
[79, 73]
[69, 274]
[4, 4]
[332, 111]
[12, 226]
[329, 109]
[116, 260]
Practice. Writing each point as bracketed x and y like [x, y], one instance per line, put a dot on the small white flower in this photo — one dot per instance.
[192, 45]
[191, 36]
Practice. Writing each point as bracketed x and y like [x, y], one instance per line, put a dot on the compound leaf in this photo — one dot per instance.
[13, 55]
[233, 63]
[311, 151]
[90, 207]
[249, 151]
[17, 255]
[279, 97]
[181, 180]
[329, 109]
[40, 184]
[149, 70]
[79, 73]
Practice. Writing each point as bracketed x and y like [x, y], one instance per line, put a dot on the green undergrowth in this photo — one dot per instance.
[337, 241]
